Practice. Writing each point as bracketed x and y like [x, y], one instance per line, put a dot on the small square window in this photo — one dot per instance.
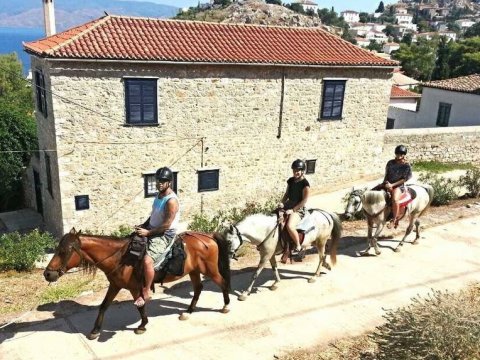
[82, 202]
[150, 186]
[208, 180]
[310, 166]
[390, 123]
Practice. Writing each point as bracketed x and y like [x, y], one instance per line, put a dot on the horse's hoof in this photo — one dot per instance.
[139, 331]
[183, 317]
[327, 266]
[273, 287]
[415, 242]
[93, 336]
[225, 310]
[242, 297]
[397, 249]
[312, 280]
[378, 252]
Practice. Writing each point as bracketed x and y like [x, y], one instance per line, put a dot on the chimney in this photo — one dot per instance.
[49, 17]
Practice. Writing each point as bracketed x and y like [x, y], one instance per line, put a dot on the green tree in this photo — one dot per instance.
[407, 39]
[298, 8]
[222, 2]
[274, 2]
[473, 31]
[381, 8]
[465, 57]
[442, 67]
[364, 17]
[418, 60]
[389, 30]
[374, 46]
[17, 131]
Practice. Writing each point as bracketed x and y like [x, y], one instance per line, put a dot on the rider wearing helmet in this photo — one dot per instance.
[295, 198]
[160, 229]
[397, 172]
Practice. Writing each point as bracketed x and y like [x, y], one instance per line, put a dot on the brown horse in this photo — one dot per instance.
[204, 255]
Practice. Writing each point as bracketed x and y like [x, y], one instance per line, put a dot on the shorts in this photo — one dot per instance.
[158, 247]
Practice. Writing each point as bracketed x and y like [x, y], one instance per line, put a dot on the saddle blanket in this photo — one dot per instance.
[306, 224]
[405, 199]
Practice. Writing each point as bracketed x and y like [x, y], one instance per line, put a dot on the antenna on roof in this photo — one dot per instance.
[105, 12]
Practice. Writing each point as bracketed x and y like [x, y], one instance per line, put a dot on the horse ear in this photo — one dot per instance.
[73, 231]
[231, 229]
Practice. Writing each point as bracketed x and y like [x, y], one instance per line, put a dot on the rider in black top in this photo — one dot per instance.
[295, 198]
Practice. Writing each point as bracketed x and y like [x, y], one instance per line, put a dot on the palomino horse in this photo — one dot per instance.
[376, 206]
[261, 230]
[204, 255]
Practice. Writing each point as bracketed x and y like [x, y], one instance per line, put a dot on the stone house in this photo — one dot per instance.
[444, 103]
[227, 107]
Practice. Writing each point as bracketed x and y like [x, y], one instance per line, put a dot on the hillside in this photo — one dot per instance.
[254, 12]
[69, 13]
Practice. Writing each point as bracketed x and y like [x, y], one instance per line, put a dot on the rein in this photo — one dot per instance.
[272, 232]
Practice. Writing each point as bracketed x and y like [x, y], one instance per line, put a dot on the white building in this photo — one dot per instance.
[350, 16]
[464, 23]
[403, 19]
[388, 47]
[444, 103]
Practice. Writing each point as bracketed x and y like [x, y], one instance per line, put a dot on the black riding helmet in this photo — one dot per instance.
[298, 164]
[401, 149]
[164, 173]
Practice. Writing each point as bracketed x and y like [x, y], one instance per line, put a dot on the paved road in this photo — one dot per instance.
[346, 301]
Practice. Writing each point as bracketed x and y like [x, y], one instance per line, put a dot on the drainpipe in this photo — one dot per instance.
[280, 116]
[49, 17]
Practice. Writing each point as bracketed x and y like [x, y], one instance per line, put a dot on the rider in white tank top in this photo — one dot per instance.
[158, 214]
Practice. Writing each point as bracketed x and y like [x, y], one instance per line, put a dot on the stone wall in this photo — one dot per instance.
[452, 144]
[224, 117]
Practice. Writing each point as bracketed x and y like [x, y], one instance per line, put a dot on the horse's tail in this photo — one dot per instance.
[336, 235]
[223, 258]
[431, 193]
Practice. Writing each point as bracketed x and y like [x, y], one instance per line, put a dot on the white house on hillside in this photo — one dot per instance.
[307, 5]
[451, 102]
[350, 16]
[389, 47]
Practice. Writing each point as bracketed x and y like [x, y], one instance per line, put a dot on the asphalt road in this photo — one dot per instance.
[349, 300]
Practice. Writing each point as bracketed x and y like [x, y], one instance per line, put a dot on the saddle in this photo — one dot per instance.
[303, 228]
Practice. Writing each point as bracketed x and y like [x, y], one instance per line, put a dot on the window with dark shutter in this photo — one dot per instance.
[141, 101]
[390, 123]
[443, 115]
[82, 202]
[48, 171]
[332, 100]
[40, 93]
[208, 180]
[310, 166]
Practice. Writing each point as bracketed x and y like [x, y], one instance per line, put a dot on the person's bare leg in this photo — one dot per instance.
[149, 273]
[293, 220]
[395, 206]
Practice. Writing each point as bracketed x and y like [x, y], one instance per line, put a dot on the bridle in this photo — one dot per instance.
[75, 246]
[240, 237]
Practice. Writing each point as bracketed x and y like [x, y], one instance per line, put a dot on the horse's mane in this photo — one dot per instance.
[373, 197]
[255, 218]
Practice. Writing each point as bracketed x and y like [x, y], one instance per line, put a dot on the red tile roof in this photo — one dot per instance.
[129, 38]
[397, 92]
[468, 84]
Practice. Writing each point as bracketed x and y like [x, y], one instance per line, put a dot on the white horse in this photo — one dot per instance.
[262, 231]
[376, 207]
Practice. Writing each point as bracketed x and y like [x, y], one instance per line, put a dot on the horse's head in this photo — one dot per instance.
[67, 255]
[354, 203]
[235, 239]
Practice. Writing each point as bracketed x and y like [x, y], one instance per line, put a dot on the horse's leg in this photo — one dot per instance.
[218, 279]
[273, 262]
[417, 231]
[321, 258]
[380, 227]
[261, 265]
[111, 293]
[407, 232]
[369, 238]
[197, 289]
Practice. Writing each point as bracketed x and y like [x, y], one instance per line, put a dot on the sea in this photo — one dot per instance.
[11, 41]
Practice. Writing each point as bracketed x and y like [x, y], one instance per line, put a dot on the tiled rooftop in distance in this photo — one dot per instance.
[403, 93]
[468, 84]
[143, 39]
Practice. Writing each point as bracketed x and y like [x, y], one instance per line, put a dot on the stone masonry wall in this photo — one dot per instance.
[224, 117]
[451, 144]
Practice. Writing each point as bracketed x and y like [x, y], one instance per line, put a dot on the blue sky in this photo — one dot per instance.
[357, 5]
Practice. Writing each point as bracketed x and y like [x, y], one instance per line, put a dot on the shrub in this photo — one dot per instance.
[19, 252]
[471, 180]
[202, 222]
[439, 167]
[440, 326]
[122, 231]
[444, 188]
